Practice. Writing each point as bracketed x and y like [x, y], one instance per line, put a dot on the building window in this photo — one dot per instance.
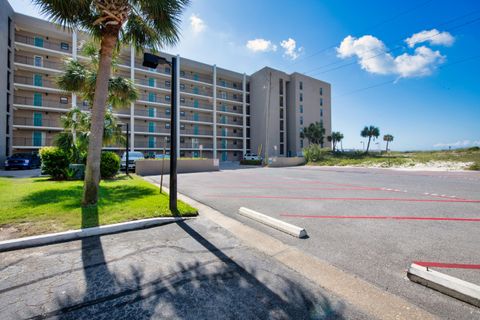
[167, 125]
[301, 108]
[64, 100]
[167, 112]
[182, 113]
[167, 70]
[301, 120]
[281, 102]
[8, 102]
[9, 32]
[151, 142]
[301, 97]
[182, 73]
[182, 139]
[182, 86]
[281, 113]
[38, 41]
[7, 146]
[235, 108]
[64, 46]
[151, 82]
[280, 86]
[321, 113]
[223, 83]
[235, 96]
[182, 127]
[84, 103]
[167, 98]
[301, 85]
[37, 138]
[152, 112]
[152, 97]
[8, 80]
[321, 91]
[281, 148]
[37, 99]
[182, 100]
[151, 127]
[167, 84]
[9, 57]
[182, 154]
[38, 61]
[37, 80]
[281, 137]
[223, 95]
[301, 143]
[321, 101]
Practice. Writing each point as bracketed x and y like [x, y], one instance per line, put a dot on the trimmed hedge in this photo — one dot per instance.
[251, 162]
[54, 162]
[109, 164]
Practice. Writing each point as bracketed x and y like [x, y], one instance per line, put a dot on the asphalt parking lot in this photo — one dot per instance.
[369, 222]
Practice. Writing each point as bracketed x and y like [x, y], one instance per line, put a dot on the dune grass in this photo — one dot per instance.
[40, 205]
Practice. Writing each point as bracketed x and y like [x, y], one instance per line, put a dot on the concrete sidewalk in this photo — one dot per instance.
[187, 270]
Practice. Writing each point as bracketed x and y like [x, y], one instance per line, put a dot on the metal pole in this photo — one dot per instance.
[126, 148]
[173, 139]
[163, 164]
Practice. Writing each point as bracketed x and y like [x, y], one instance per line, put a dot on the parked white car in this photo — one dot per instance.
[251, 156]
[133, 156]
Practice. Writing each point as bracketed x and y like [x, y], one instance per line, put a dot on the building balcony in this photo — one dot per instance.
[195, 104]
[196, 146]
[196, 78]
[40, 123]
[40, 84]
[35, 64]
[157, 129]
[158, 115]
[31, 142]
[40, 44]
[158, 84]
[196, 118]
[196, 132]
[50, 104]
[196, 92]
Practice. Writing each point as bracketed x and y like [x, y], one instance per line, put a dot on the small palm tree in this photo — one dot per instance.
[369, 132]
[335, 138]
[388, 138]
[141, 23]
[314, 133]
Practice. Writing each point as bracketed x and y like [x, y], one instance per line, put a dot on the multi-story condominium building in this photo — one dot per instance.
[220, 112]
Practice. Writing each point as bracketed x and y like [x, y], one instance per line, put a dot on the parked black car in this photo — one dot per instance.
[22, 161]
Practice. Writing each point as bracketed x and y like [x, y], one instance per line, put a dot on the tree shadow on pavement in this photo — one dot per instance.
[217, 288]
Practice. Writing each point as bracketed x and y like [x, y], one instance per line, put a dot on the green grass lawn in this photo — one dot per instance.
[406, 159]
[39, 205]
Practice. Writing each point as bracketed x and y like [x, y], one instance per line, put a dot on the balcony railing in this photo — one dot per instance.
[199, 91]
[237, 97]
[158, 99]
[196, 77]
[229, 134]
[192, 117]
[200, 132]
[36, 122]
[198, 104]
[42, 82]
[45, 63]
[30, 141]
[146, 113]
[42, 43]
[196, 145]
[156, 84]
[158, 128]
[238, 111]
[229, 84]
[46, 102]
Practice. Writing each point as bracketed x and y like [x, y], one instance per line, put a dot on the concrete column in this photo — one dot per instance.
[244, 88]
[177, 97]
[214, 111]
[132, 105]
[74, 57]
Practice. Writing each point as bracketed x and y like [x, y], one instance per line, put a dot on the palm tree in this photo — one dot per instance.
[335, 138]
[141, 23]
[314, 133]
[369, 132]
[388, 138]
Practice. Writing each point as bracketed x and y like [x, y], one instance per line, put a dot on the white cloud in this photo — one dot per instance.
[373, 57]
[290, 48]
[460, 143]
[434, 37]
[197, 24]
[260, 45]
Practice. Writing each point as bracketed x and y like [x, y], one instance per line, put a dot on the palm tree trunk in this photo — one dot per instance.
[92, 170]
[386, 148]
[368, 144]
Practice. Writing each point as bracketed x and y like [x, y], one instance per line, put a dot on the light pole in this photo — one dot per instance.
[152, 61]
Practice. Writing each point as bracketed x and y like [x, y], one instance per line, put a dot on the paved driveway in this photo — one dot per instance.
[20, 173]
[370, 222]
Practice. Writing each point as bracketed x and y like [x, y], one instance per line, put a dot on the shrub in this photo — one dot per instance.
[475, 166]
[54, 162]
[314, 153]
[251, 162]
[109, 164]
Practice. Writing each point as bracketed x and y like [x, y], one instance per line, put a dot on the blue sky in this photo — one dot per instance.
[424, 91]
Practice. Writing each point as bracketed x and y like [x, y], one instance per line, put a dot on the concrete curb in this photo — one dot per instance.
[274, 223]
[451, 286]
[51, 238]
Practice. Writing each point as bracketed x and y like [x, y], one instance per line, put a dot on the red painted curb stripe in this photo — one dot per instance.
[382, 217]
[344, 199]
[299, 188]
[447, 265]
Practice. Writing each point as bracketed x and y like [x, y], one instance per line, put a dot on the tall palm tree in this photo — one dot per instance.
[369, 132]
[314, 133]
[388, 138]
[335, 138]
[141, 23]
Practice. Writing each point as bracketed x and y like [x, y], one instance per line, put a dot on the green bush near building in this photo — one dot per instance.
[54, 162]
[109, 164]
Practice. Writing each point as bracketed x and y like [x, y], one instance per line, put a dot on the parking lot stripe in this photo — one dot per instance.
[381, 217]
[447, 265]
[342, 199]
